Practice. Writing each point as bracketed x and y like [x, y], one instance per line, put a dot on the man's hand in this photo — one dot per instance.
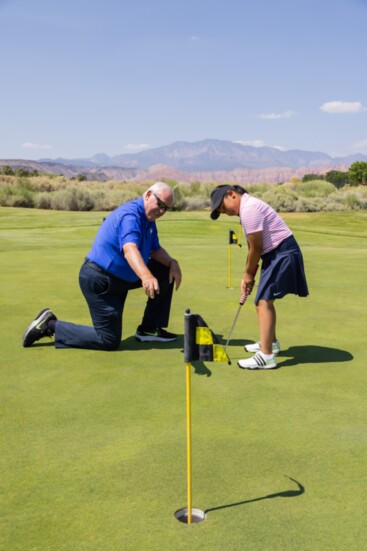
[149, 282]
[175, 273]
[162, 256]
[150, 285]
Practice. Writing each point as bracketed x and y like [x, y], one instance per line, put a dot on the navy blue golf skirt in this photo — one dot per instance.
[282, 272]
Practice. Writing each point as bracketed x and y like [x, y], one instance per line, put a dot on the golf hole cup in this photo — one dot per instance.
[197, 515]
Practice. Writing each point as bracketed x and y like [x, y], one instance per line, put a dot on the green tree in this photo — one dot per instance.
[309, 177]
[358, 173]
[21, 172]
[338, 178]
[7, 170]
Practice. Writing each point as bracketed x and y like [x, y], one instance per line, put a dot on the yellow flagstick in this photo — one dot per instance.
[229, 267]
[188, 424]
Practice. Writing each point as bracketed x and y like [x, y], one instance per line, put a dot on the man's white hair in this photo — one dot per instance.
[161, 186]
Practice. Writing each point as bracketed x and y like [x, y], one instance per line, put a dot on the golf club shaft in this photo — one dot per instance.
[243, 298]
[233, 324]
[242, 302]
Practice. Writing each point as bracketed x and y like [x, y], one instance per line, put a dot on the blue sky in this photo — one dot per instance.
[81, 77]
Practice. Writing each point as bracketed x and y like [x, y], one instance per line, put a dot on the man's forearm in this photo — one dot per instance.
[135, 261]
[162, 256]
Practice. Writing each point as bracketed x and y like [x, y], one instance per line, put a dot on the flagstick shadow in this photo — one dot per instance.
[201, 369]
[287, 493]
[131, 343]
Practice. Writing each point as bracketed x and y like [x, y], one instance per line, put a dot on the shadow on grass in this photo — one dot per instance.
[42, 343]
[201, 369]
[132, 344]
[285, 493]
[312, 354]
[307, 354]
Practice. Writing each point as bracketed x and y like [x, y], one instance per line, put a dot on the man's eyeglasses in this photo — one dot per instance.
[160, 203]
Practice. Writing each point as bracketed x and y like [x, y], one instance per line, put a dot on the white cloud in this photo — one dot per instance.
[277, 116]
[194, 38]
[342, 107]
[29, 145]
[360, 147]
[134, 147]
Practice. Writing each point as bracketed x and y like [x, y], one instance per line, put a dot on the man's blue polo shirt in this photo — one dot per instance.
[127, 224]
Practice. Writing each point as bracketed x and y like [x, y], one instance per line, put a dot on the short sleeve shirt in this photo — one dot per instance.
[126, 224]
[256, 215]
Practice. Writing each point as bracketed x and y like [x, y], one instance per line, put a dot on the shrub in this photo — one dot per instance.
[281, 202]
[43, 200]
[180, 201]
[281, 199]
[72, 199]
[353, 201]
[112, 199]
[313, 188]
[46, 183]
[258, 189]
[309, 204]
[18, 195]
[196, 203]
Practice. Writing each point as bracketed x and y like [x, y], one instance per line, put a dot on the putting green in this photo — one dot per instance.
[93, 453]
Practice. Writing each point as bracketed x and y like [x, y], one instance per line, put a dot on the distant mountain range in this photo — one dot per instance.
[217, 160]
[211, 155]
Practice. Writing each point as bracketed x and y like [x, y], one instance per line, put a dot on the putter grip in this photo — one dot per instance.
[245, 295]
[243, 298]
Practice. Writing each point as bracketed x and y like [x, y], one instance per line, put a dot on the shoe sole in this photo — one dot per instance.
[257, 368]
[39, 319]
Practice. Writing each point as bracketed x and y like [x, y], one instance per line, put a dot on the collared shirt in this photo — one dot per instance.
[126, 224]
[256, 215]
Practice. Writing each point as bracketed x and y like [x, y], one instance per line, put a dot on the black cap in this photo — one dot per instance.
[216, 198]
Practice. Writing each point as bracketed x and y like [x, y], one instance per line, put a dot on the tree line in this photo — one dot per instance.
[333, 191]
[7, 170]
[355, 176]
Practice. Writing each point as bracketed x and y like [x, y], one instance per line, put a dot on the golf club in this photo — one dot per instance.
[242, 302]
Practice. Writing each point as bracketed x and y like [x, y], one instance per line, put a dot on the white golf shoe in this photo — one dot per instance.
[258, 362]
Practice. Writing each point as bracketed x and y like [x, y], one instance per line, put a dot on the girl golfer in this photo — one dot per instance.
[282, 271]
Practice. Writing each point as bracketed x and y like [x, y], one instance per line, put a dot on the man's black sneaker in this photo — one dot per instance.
[38, 328]
[154, 335]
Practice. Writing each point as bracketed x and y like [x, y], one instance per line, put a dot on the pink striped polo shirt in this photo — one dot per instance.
[255, 215]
